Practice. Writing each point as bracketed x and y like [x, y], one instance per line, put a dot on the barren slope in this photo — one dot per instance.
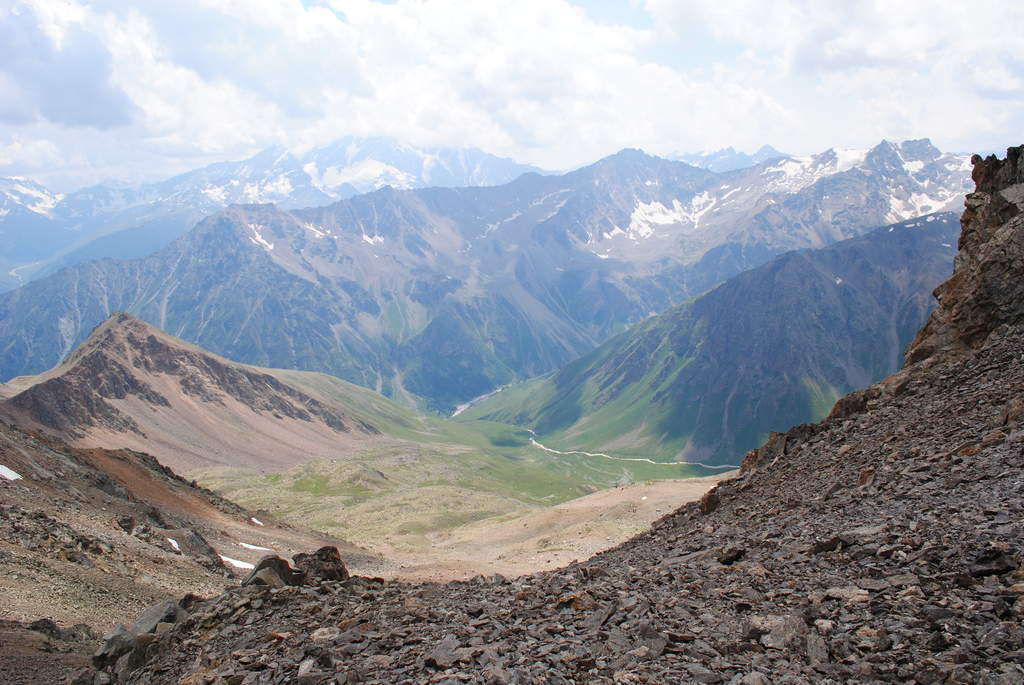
[131, 385]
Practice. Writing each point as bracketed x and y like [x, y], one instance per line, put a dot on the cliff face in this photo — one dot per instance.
[985, 292]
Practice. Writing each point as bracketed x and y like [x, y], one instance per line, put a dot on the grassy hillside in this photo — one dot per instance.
[429, 474]
[768, 349]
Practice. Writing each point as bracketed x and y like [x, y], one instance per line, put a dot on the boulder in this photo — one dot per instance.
[323, 564]
[277, 567]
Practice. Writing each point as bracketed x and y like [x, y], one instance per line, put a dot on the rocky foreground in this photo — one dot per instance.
[881, 545]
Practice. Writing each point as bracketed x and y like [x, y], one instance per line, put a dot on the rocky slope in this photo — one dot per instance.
[881, 545]
[441, 295]
[132, 385]
[772, 347]
[88, 536]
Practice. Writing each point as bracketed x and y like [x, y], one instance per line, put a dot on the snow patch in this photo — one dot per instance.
[612, 233]
[256, 547]
[174, 544]
[911, 207]
[647, 215]
[318, 231]
[839, 281]
[236, 563]
[731, 192]
[256, 521]
[256, 237]
[218, 194]
[8, 473]
[368, 173]
[913, 167]
[795, 173]
[41, 202]
[498, 224]
[849, 158]
[375, 240]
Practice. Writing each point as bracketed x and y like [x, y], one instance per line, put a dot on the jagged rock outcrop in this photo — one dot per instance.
[986, 290]
[883, 544]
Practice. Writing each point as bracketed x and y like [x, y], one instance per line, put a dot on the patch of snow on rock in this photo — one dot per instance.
[236, 563]
[368, 173]
[216, 193]
[256, 547]
[256, 238]
[318, 231]
[647, 215]
[848, 158]
[43, 201]
[174, 544]
[256, 521]
[8, 473]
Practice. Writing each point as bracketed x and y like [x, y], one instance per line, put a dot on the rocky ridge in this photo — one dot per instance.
[883, 544]
[986, 290]
[130, 385]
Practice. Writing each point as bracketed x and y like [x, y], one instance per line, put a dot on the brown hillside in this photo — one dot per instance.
[131, 385]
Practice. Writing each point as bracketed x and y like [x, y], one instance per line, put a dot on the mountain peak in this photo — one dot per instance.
[133, 385]
[985, 292]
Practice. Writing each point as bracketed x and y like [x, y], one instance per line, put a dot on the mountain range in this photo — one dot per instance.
[41, 231]
[770, 348]
[882, 544]
[727, 158]
[435, 296]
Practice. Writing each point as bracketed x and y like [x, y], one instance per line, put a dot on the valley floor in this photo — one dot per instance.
[542, 539]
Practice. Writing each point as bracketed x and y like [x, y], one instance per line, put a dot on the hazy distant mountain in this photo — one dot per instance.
[773, 347]
[443, 294]
[728, 159]
[43, 231]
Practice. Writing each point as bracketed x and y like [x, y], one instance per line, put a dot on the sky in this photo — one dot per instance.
[134, 90]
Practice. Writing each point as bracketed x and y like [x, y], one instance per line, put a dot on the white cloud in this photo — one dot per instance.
[539, 80]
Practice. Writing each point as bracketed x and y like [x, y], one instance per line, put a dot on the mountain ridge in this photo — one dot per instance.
[43, 231]
[437, 296]
[118, 384]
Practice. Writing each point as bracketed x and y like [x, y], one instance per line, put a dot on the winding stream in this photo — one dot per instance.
[724, 467]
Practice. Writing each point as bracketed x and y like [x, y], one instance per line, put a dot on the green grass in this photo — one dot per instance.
[425, 473]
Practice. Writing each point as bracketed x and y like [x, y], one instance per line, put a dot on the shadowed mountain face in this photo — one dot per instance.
[770, 348]
[130, 384]
[440, 295]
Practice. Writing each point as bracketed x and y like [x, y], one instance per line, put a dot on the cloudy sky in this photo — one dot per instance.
[126, 89]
